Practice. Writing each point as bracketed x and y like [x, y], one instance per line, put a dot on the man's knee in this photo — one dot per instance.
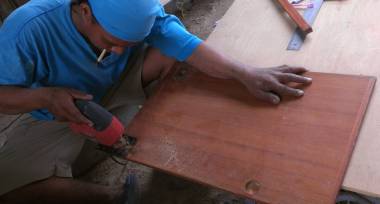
[36, 150]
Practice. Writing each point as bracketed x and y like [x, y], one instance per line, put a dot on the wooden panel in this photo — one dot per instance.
[345, 40]
[214, 132]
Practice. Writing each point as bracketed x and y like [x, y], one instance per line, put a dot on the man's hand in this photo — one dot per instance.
[59, 101]
[269, 84]
[61, 104]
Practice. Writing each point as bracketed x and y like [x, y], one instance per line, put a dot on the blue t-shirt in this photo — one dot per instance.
[41, 47]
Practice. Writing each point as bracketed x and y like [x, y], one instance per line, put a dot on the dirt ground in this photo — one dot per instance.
[200, 17]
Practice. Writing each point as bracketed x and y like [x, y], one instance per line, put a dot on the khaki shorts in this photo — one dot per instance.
[33, 150]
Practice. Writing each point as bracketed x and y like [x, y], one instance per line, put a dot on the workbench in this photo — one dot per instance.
[346, 40]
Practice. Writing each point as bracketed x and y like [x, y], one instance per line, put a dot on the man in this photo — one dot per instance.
[50, 57]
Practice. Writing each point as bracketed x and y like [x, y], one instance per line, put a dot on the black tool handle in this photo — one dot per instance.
[98, 115]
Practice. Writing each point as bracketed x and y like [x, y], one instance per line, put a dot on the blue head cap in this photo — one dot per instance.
[129, 20]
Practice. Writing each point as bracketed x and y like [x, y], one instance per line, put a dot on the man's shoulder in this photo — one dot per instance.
[31, 11]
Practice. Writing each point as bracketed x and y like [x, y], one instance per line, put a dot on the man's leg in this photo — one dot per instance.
[146, 67]
[62, 191]
[50, 189]
[35, 153]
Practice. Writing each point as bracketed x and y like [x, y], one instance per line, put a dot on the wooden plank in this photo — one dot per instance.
[214, 132]
[346, 40]
[295, 16]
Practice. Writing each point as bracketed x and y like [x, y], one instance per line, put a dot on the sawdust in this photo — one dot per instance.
[170, 149]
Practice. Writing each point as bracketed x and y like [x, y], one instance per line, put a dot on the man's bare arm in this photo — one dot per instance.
[267, 84]
[59, 101]
[15, 100]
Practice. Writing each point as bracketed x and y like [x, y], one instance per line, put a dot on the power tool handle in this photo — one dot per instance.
[98, 115]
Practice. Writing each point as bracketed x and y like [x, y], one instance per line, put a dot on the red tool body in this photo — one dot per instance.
[107, 130]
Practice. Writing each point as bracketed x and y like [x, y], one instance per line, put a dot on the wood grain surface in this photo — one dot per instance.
[345, 40]
[214, 132]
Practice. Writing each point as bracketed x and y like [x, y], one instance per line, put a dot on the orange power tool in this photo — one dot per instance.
[107, 130]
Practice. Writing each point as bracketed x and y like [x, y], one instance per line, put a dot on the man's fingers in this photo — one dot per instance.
[80, 95]
[287, 77]
[294, 70]
[71, 115]
[282, 89]
[267, 97]
[60, 119]
[76, 116]
[74, 111]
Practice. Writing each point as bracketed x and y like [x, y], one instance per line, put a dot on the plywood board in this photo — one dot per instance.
[215, 132]
[346, 39]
